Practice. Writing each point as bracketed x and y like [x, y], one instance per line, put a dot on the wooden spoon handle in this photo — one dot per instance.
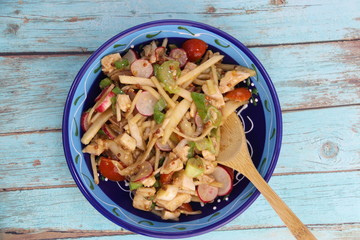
[297, 228]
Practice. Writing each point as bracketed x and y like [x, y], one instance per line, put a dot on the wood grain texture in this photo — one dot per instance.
[328, 232]
[305, 76]
[328, 199]
[38, 26]
[309, 146]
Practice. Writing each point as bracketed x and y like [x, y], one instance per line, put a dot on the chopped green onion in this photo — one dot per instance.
[117, 90]
[113, 104]
[101, 132]
[158, 115]
[121, 64]
[214, 115]
[105, 83]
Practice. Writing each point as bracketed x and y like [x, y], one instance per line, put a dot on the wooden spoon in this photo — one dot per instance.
[234, 154]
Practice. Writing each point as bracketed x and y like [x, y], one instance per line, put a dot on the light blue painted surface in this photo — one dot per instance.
[83, 25]
[318, 170]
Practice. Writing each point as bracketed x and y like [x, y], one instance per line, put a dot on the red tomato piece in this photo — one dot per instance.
[195, 49]
[239, 94]
[109, 169]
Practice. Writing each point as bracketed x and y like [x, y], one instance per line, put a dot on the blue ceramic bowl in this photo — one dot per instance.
[261, 118]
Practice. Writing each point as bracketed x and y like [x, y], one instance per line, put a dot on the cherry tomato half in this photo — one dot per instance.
[194, 48]
[109, 169]
[239, 94]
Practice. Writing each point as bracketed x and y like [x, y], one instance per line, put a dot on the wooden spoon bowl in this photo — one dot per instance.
[235, 154]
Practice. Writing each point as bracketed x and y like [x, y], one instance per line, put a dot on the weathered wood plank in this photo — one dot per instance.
[308, 146]
[328, 199]
[328, 232]
[36, 26]
[305, 76]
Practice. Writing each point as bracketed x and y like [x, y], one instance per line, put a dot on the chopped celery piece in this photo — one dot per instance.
[134, 185]
[200, 103]
[167, 73]
[214, 115]
[194, 167]
[105, 83]
[205, 144]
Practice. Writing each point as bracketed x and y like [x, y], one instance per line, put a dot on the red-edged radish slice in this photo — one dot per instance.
[84, 122]
[131, 56]
[207, 193]
[141, 68]
[101, 94]
[106, 103]
[230, 171]
[179, 55]
[145, 104]
[110, 133]
[145, 170]
[163, 147]
[159, 53]
[223, 176]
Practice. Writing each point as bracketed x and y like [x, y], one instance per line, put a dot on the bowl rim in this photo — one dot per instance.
[109, 43]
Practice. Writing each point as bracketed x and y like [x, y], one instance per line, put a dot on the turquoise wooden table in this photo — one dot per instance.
[311, 50]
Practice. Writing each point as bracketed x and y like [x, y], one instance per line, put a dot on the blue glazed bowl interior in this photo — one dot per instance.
[261, 119]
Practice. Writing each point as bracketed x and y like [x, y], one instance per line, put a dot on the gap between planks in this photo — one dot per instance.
[37, 234]
[74, 185]
[69, 53]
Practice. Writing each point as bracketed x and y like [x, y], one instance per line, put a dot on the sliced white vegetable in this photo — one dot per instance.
[145, 104]
[167, 192]
[141, 68]
[179, 55]
[163, 147]
[106, 103]
[131, 56]
[196, 72]
[207, 193]
[222, 175]
[94, 128]
[145, 170]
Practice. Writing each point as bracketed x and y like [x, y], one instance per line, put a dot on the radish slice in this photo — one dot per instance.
[106, 103]
[222, 175]
[145, 104]
[145, 170]
[159, 53]
[131, 56]
[110, 133]
[101, 94]
[141, 68]
[179, 55]
[163, 147]
[84, 122]
[207, 193]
